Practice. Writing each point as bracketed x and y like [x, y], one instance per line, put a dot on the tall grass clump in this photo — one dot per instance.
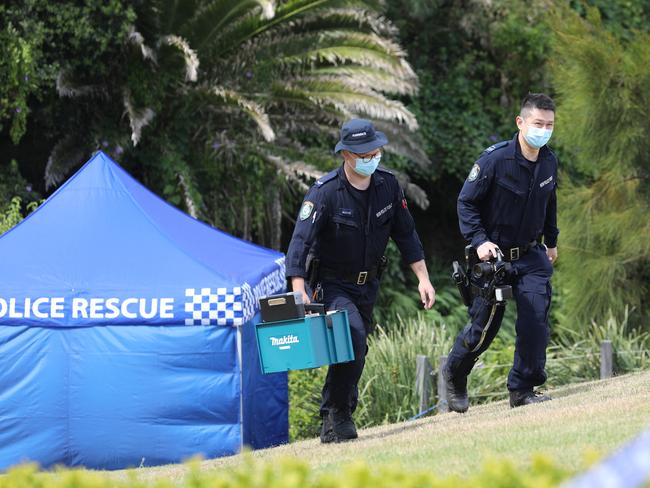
[574, 354]
[387, 388]
[387, 392]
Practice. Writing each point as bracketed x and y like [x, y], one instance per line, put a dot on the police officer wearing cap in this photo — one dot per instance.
[345, 221]
[508, 204]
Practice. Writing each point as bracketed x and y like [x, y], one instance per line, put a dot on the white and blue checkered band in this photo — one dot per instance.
[214, 306]
[231, 306]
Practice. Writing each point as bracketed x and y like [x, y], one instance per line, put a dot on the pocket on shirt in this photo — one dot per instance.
[347, 231]
[508, 198]
[345, 223]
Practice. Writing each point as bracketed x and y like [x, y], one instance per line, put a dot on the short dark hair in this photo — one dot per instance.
[540, 101]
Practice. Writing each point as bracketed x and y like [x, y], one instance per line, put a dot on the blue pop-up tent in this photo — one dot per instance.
[126, 332]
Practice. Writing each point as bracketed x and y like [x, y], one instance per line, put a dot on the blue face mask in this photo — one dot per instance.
[367, 166]
[538, 137]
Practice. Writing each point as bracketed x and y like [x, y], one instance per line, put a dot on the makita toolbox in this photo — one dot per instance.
[304, 342]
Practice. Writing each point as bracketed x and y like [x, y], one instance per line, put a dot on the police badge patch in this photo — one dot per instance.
[476, 169]
[305, 210]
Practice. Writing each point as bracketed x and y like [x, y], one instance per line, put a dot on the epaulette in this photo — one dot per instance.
[496, 146]
[324, 179]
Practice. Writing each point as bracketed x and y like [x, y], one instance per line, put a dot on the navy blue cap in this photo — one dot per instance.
[359, 136]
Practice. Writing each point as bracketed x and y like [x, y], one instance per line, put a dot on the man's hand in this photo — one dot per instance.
[298, 284]
[427, 294]
[551, 252]
[487, 250]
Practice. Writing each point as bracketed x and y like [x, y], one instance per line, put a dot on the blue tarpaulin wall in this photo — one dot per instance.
[126, 332]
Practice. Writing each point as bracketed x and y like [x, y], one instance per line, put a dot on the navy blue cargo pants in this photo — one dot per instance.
[532, 294]
[340, 389]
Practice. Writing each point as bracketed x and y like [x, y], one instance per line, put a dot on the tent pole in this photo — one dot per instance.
[241, 388]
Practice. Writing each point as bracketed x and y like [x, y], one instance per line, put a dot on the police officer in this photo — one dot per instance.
[508, 203]
[345, 221]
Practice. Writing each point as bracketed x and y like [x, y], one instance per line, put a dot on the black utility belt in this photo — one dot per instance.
[357, 278]
[515, 253]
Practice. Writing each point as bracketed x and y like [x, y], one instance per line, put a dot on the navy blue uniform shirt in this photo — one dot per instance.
[345, 237]
[508, 200]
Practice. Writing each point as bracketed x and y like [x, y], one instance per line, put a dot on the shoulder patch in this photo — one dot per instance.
[473, 174]
[306, 209]
[324, 179]
[496, 146]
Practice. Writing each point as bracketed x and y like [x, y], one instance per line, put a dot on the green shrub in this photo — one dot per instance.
[12, 215]
[293, 473]
[304, 402]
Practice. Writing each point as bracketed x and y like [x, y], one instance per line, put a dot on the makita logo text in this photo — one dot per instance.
[285, 340]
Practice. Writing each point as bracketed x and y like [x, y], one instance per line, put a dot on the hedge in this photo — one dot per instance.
[294, 473]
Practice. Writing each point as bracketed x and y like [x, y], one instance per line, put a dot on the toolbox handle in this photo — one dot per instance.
[318, 308]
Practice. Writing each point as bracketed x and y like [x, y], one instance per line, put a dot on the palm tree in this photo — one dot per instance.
[261, 74]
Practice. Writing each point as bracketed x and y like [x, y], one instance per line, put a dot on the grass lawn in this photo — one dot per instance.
[589, 418]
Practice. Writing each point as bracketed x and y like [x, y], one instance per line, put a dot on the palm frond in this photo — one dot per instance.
[250, 27]
[351, 102]
[138, 118]
[296, 172]
[337, 47]
[363, 77]
[252, 109]
[405, 142]
[412, 191]
[212, 19]
[137, 40]
[190, 204]
[66, 155]
[341, 18]
[189, 55]
[66, 88]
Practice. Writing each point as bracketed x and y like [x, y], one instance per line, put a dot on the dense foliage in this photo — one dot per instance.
[606, 80]
[189, 95]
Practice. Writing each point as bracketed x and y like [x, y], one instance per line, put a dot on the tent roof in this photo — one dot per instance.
[103, 235]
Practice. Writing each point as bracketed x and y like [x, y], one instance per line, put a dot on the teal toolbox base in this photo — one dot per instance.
[304, 343]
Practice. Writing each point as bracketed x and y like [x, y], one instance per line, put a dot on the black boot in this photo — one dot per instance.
[342, 425]
[457, 398]
[326, 432]
[526, 397]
